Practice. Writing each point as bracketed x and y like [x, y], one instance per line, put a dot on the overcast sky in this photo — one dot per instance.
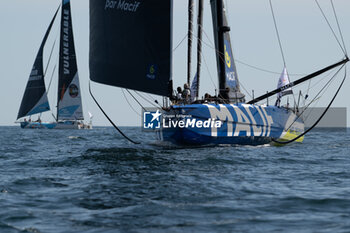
[307, 42]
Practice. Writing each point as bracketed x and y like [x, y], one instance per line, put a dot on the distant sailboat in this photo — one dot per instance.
[142, 29]
[69, 103]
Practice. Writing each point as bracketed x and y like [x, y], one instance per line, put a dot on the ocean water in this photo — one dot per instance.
[95, 181]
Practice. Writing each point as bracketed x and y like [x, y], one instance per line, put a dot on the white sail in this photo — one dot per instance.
[70, 105]
[282, 81]
[194, 86]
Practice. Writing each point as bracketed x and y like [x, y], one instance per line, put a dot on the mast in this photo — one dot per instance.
[221, 47]
[199, 43]
[189, 40]
[229, 89]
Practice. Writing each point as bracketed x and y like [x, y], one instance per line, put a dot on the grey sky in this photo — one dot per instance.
[307, 41]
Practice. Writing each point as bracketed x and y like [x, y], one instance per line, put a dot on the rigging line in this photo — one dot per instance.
[150, 97]
[183, 39]
[246, 64]
[217, 51]
[278, 35]
[241, 62]
[146, 99]
[53, 46]
[308, 88]
[322, 79]
[153, 99]
[293, 94]
[109, 119]
[330, 27]
[340, 31]
[53, 72]
[136, 100]
[301, 80]
[319, 119]
[130, 103]
[316, 101]
[210, 76]
[264, 70]
[48, 88]
[240, 83]
[206, 35]
[280, 44]
[323, 89]
[48, 62]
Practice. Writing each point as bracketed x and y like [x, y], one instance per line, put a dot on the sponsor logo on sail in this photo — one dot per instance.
[152, 72]
[73, 90]
[34, 75]
[230, 74]
[123, 5]
[227, 58]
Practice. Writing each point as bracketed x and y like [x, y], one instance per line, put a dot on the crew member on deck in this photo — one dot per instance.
[179, 94]
[186, 94]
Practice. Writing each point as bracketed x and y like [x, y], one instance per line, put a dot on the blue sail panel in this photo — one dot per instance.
[230, 68]
[39, 109]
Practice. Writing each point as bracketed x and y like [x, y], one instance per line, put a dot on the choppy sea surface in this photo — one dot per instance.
[95, 181]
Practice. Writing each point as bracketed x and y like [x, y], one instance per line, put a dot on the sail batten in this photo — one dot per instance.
[35, 96]
[130, 47]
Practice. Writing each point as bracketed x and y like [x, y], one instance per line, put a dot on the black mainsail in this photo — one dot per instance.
[131, 44]
[69, 104]
[35, 97]
[227, 72]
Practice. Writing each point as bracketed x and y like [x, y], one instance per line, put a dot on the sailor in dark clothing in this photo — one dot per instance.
[179, 93]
